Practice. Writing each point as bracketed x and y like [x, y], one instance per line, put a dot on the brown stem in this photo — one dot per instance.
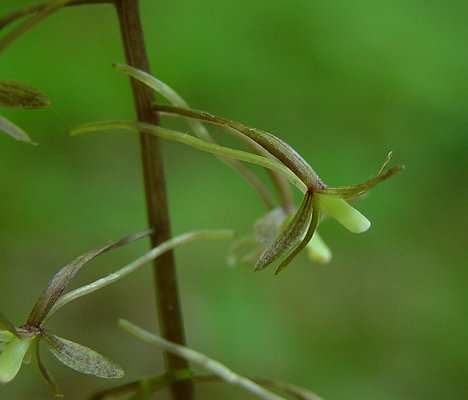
[167, 294]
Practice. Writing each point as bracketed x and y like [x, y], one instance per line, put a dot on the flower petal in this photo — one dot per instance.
[309, 233]
[62, 278]
[12, 358]
[345, 214]
[14, 131]
[81, 358]
[353, 191]
[45, 372]
[6, 336]
[293, 233]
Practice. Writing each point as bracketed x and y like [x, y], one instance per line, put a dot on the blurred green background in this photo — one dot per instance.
[343, 82]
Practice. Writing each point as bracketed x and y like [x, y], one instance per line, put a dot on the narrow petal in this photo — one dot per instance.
[198, 128]
[12, 358]
[345, 214]
[199, 144]
[274, 145]
[62, 278]
[314, 220]
[45, 373]
[81, 358]
[140, 262]
[14, 131]
[293, 232]
[353, 191]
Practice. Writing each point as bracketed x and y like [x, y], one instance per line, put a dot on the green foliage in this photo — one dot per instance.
[343, 82]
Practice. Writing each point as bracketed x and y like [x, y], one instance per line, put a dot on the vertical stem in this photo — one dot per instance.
[167, 297]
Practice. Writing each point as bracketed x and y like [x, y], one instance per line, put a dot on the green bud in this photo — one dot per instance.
[21, 95]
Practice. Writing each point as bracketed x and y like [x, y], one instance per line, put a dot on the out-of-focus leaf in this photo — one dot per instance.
[81, 358]
[14, 131]
[21, 95]
[62, 278]
[268, 227]
[318, 251]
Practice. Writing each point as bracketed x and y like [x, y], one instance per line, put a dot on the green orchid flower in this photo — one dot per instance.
[318, 197]
[17, 343]
[273, 154]
[249, 248]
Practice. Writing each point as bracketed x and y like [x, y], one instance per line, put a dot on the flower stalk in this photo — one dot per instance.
[164, 272]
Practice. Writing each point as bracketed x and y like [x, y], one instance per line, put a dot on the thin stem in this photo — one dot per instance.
[156, 383]
[31, 22]
[199, 129]
[161, 381]
[14, 16]
[275, 146]
[225, 373]
[297, 392]
[138, 263]
[166, 289]
[266, 162]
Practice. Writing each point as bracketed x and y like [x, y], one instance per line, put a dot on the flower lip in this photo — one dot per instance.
[12, 357]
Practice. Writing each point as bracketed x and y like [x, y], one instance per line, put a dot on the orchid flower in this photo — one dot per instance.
[280, 158]
[16, 343]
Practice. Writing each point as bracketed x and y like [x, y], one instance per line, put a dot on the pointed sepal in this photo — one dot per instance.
[291, 235]
[81, 358]
[45, 372]
[353, 191]
[14, 131]
[62, 278]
